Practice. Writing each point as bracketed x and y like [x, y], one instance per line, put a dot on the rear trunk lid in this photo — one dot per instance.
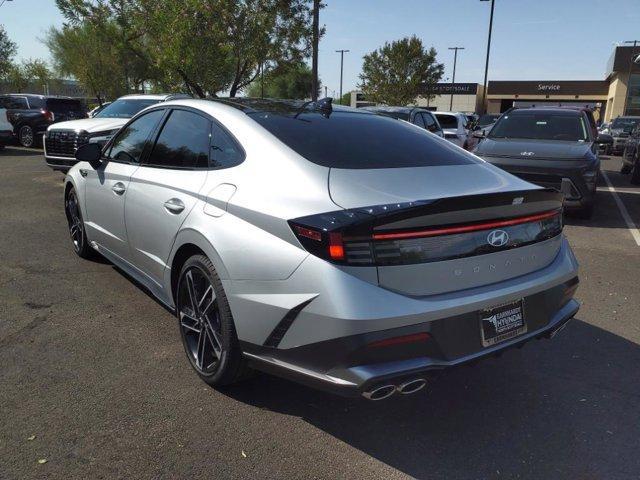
[433, 230]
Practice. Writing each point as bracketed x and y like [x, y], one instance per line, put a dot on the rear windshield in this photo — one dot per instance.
[542, 126]
[356, 140]
[447, 121]
[64, 105]
[125, 108]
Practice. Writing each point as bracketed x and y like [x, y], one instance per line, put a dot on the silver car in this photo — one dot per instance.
[330, 245]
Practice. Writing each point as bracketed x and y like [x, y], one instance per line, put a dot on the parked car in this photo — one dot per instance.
[619, 130]
[631, 156]
[550, 146]
[331, 245]
[6, 129]
[94, 111]
[418, 116]
[31, 114]
[455, 128]
[63, 139]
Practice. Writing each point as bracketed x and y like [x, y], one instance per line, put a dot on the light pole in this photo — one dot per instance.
[316, 37]
[486, 65]
[453, 78]
[341, 52]
[633, 54]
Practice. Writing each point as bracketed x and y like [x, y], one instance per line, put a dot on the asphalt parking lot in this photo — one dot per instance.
[94, 382]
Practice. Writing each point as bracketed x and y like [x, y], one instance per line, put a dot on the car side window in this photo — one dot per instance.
[225, 151]
[183, 141]
[129, 143]
[430, 122]
[19, 103]
[418, 120]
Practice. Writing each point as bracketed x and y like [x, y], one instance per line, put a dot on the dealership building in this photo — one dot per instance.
[615, 95]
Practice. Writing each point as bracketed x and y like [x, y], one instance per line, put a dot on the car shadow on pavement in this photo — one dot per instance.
[19, 152]
[538, 412]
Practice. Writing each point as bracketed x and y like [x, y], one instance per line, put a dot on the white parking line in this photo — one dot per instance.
[623, 210]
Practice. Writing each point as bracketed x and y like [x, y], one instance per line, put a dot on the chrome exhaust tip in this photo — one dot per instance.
[380, 393]
[412, 386]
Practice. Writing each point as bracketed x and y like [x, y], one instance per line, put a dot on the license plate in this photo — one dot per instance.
[501, 323]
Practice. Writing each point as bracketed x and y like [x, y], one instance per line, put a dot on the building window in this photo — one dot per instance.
[633, 96]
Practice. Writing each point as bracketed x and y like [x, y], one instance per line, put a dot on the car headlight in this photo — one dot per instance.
[102, 137]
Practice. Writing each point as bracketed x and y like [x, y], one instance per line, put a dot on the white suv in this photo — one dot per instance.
[6, 129]
[454, 126]
[63, 139]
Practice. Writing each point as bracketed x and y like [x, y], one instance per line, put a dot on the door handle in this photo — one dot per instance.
[118, 188]
[174, 205]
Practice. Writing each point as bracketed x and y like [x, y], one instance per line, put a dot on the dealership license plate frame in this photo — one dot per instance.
[499, 335]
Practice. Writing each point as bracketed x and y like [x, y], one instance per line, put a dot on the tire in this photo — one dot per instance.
[206, 325]
[635, 173]
[26, 136]
[76, 225]
[626, 168]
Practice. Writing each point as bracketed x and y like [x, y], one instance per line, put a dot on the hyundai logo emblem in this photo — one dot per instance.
[498, 238]
[527, 154]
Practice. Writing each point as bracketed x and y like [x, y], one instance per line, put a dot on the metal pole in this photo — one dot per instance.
[486, 65]
[262, 80]
[316, 35]
[341, 52]
[453, 79]
[633, 54]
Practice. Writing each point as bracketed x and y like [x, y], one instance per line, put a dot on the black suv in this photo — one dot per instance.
[31, 114]
[550, 146]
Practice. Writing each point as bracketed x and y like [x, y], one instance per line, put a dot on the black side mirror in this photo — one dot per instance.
[90, 152]
[604, 139]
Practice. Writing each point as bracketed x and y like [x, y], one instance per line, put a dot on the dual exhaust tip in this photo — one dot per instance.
[385, 391]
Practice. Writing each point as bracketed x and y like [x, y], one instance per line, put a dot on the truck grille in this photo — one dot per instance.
[64, 143]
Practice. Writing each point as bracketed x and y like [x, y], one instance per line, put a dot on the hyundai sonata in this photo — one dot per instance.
[330, 245]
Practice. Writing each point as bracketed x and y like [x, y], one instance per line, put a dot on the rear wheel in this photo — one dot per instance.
[626, 168]
[206, 325]
[26, 136]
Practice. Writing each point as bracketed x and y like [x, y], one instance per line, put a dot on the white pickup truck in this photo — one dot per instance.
[6, 129]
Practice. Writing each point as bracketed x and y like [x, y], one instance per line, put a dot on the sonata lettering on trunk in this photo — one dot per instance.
[492, 267]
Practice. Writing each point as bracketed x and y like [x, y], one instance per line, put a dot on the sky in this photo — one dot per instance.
[532, 39]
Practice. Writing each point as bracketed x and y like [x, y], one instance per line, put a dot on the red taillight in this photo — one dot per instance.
[336, 247]
[412, 338]
[48, 115]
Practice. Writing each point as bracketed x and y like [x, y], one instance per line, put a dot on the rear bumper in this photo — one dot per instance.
[326, 344]
[352, 380]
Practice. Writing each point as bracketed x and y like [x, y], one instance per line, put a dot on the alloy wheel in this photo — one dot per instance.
[200, 320]
[74, 218]
[26, 136]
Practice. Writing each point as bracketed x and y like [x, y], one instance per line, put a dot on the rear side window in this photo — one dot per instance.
[128, 145]
[225, 151]
[447, 121]
[358, 140]
[16, 102]
[183, 142]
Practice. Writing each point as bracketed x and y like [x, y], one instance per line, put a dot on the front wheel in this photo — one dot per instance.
[76, 225]
[26, 136]
[625, 169]
[206, 325]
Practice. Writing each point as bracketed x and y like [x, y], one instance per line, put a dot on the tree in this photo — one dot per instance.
[289, 81]
[396, 73]
[8, 50]
[84, 52]
[346, 99]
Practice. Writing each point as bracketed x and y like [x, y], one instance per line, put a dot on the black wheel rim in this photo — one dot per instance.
[76, 227]
[200, 320]
[26, 136]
